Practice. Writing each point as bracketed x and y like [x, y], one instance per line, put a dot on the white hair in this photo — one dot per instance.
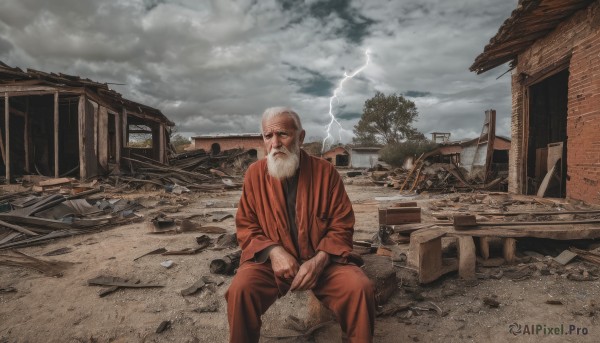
[272, 112]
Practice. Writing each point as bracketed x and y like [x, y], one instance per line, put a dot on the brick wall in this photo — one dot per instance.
[226, 143]
[580, 36]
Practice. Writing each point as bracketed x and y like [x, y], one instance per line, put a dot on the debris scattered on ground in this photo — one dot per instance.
[17, 259]
[226, 265]
[167, 264]
[211, 306]
[165, 325]
[114, 283]
[153, 252]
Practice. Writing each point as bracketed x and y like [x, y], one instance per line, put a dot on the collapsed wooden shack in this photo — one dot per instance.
[553, 50]
[58, 125]
[479, 163]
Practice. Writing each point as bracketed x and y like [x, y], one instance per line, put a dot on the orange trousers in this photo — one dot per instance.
[344, 289]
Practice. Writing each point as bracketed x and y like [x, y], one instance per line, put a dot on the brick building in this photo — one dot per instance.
[219, 142]
[338, 156]
[553, 47]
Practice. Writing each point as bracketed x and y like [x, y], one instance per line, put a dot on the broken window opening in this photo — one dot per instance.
[140, 136]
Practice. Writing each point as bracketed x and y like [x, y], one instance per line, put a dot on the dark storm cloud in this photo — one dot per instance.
[312, 83]
[416, 94]
[349, 115]
[214, 65]
[151, 4]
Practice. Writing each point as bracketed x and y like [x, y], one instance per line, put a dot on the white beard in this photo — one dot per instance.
[282, 167]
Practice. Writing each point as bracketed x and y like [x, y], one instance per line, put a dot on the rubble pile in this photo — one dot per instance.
[191, 171]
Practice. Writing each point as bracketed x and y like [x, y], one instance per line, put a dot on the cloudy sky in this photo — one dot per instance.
[213, 66]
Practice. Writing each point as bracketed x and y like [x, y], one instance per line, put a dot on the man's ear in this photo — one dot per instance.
[301, 138]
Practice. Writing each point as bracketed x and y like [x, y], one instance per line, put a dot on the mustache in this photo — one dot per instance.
[283, 149]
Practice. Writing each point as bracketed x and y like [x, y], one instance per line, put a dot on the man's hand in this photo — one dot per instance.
[309, 272]
[283, 263]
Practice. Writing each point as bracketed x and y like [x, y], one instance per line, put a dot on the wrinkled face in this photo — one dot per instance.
[280, 131]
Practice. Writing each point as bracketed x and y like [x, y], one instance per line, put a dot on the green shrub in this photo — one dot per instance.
[394, 154]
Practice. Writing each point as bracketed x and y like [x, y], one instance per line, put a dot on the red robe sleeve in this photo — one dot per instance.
[339, 219]
[250, 235]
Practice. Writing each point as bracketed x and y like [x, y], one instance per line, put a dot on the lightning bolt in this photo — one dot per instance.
[335, 96]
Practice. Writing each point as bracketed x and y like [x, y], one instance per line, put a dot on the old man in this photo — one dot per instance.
[295, 225]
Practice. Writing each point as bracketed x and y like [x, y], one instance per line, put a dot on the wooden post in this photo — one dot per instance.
[484, 247]
[82, 139]
[96, 123]
[2, 147]
[161, 143]
[103, 137]
[466, 257]
[125, 128]
[7, 136]
[26, 136]
[510, 247]
[118, 136]
[56, 136]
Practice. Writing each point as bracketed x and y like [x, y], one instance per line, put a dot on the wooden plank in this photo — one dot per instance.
[82, 138]
[7, 137]
[430, 260]
[382, 216]
[21, 89]
[539, 223]
[509, 249]
[399, 215]
[406, 204]
[508, 214]
[463, 221]
[559, 232]
[103, 137]
[54, 182]
[466, 257]
[418, 237]
[26, 130]
[418, 161]
[18, 228]
[425, 254]
[56, 136]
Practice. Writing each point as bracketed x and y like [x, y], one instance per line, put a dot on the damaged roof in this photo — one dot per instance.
[31, 77]
[530, 21]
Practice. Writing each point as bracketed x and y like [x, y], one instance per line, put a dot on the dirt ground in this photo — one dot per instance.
[67, 309]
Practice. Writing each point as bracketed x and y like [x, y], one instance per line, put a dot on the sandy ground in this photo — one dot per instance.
[67, 309]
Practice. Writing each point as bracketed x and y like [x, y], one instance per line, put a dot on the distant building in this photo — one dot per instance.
[338, 156]
[366, 157]
[253, 142]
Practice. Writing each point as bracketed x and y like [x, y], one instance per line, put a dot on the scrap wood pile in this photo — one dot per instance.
[30, 219]
[191, 171]
[472, 233]
[434, 177]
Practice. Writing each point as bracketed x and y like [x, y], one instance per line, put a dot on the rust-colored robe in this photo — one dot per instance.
[324, 215]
